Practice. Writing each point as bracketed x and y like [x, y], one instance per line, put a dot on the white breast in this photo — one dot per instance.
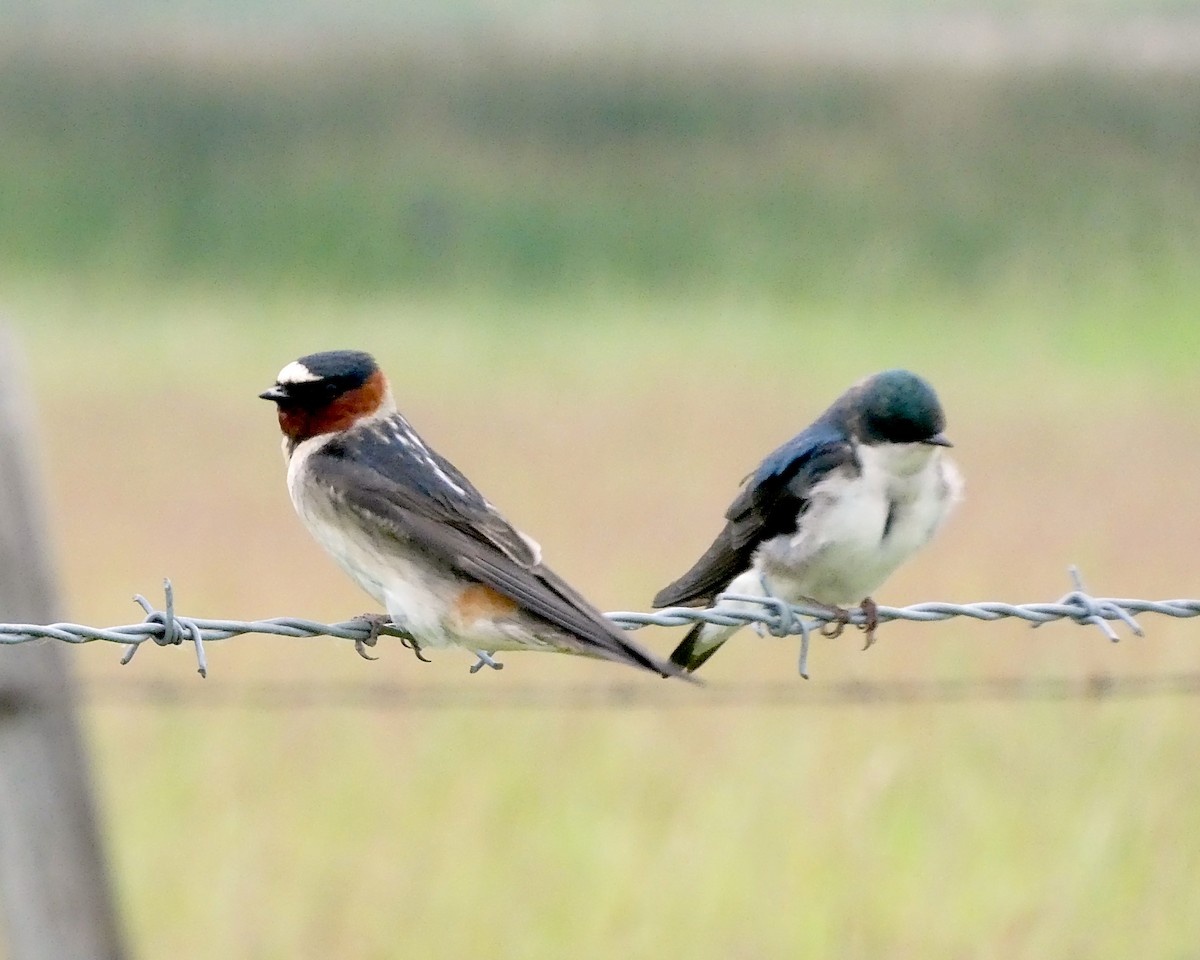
[406, 584]
[860, 527]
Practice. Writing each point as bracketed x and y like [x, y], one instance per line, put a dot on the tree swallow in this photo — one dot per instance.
[414, 533]
[832, 513]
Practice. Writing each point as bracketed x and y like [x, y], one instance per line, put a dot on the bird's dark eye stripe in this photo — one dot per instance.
[312, 394]
[328, 387]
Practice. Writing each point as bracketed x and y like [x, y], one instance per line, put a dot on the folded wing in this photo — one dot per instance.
[453, 524]
[769, 504]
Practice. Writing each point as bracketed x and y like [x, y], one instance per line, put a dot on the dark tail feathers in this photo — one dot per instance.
[685, 654]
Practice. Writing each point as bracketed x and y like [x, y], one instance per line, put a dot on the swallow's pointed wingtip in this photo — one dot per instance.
[669, 670]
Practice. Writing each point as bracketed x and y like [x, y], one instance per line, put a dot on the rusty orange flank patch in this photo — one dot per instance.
[480, 602]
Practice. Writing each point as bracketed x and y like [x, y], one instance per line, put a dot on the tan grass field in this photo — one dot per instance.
[699, 829]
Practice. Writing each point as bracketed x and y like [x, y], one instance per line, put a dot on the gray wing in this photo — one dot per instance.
[457, 527]
[768, 506]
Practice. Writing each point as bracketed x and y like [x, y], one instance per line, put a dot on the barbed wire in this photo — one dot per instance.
[767, 614]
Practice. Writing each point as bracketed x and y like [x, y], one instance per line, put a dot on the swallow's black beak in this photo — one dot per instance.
[937, 440]
[275, 393]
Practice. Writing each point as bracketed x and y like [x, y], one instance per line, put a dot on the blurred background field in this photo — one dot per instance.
[609, 265]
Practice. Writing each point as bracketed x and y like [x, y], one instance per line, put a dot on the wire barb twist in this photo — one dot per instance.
[775, 616]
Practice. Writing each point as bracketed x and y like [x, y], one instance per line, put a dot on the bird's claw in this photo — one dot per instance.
[840, 618]
[411, 644]
[375, 622]
[871, 609]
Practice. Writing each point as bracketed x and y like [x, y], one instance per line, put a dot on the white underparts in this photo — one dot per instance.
[859, 527]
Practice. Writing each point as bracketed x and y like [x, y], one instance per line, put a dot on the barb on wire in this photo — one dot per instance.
[166, 628]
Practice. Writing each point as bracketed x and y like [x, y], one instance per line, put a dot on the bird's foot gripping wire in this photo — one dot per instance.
[485, 660]
[871, 609]
[378, 623]
[375, 623]
[840, 618]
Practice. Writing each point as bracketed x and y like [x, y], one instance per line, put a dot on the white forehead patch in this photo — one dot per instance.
[296, 372]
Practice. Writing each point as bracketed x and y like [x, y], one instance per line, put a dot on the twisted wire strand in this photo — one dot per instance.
[166, 628]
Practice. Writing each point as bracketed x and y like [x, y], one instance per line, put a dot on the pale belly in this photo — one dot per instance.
[418, 596]
[857, 532]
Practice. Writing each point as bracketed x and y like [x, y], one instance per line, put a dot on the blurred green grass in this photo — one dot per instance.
[483, 170]
[979, 831]
[983, 830]
[605, 289]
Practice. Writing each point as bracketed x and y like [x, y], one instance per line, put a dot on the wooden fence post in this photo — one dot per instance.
[55, 899]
